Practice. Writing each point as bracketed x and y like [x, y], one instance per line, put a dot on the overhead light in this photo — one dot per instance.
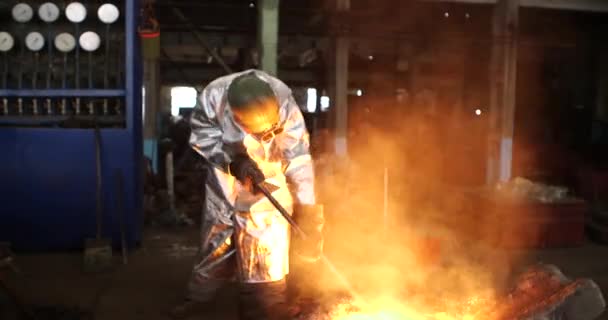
[370, 57]
[446, 14]
[324, 103]
[477, 112]
[467, 15]
[359, 92]
[251, 5]
[311, 100]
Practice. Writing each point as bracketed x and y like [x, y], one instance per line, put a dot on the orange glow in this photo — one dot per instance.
[474, 308]
[427, 258]
[427, 252]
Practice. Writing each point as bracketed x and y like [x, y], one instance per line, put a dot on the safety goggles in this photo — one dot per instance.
[269, 134]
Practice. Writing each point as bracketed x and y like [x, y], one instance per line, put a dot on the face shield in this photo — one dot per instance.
[255, 106]
[258, 117]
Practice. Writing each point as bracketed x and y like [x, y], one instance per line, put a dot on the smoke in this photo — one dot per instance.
[417, 238]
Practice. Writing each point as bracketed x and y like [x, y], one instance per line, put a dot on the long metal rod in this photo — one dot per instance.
[343, 280]
[120, 206]
[49, 107]
[118, 82]
[5, 71]
[5, 82]
[98, 183]
[90, 77]
[77, 69]
[106, 80]
[59, 93]
[34, 83]
[201, 39]
[77, 57]
[64, 82]
[20, 79]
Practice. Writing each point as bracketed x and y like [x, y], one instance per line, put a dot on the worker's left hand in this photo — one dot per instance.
[244, 169]
[310, 219]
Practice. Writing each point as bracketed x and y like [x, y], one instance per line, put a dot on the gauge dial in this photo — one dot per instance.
[6, 41]
[22, 12]
[65, 42]
[89, 41]
[108, 13]
[34, 41]
[48, 12]
[76, 12]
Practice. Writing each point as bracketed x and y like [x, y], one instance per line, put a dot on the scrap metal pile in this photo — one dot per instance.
[543, 292]
[534, 191]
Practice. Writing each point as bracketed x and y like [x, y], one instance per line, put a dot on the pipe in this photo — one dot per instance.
[170, 182]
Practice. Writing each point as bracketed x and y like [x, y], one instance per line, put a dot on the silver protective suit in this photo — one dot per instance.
[241, 231]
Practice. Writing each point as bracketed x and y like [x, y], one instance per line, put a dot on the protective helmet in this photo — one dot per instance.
[253, 103]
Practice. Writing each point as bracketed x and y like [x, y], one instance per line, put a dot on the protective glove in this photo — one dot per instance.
[244, 169]
[310, 219]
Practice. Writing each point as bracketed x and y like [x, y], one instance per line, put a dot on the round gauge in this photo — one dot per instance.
[65, 42]
[76, 12]
[48, 12]
[89, 41]
[6, 41]
[108, 13]
[34, 41]
[22, 12]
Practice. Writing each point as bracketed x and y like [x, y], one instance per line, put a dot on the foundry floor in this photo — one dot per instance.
[155, 277]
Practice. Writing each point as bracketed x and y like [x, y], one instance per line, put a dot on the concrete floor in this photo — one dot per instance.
[155, 278]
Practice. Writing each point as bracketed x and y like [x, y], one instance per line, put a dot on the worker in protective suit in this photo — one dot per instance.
[249, 128]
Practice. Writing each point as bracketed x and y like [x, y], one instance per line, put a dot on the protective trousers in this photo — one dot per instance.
[251, 247]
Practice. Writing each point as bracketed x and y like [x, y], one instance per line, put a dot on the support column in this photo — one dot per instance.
[602, 84]
[151, 83]
[340, 84]
[152, 90]
[165, 100]
[503, 75]
[268, 34]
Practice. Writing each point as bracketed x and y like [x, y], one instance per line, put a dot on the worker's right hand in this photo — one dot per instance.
[244, 169]
[310, 219]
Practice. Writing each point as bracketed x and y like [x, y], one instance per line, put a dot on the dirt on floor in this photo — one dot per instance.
[154, 279]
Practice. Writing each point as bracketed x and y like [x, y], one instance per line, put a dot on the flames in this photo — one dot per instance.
[473, 308]
[413, 241]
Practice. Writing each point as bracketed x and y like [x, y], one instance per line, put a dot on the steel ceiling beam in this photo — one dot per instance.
[201, 40]
[574, 5]
[463, 1]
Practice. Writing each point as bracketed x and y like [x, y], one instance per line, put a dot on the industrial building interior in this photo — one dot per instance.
[459, 150]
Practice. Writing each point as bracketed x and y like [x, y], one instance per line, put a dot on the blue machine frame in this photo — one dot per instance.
[48, 175]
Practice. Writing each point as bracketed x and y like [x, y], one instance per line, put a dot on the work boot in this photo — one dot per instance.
[187, 309]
